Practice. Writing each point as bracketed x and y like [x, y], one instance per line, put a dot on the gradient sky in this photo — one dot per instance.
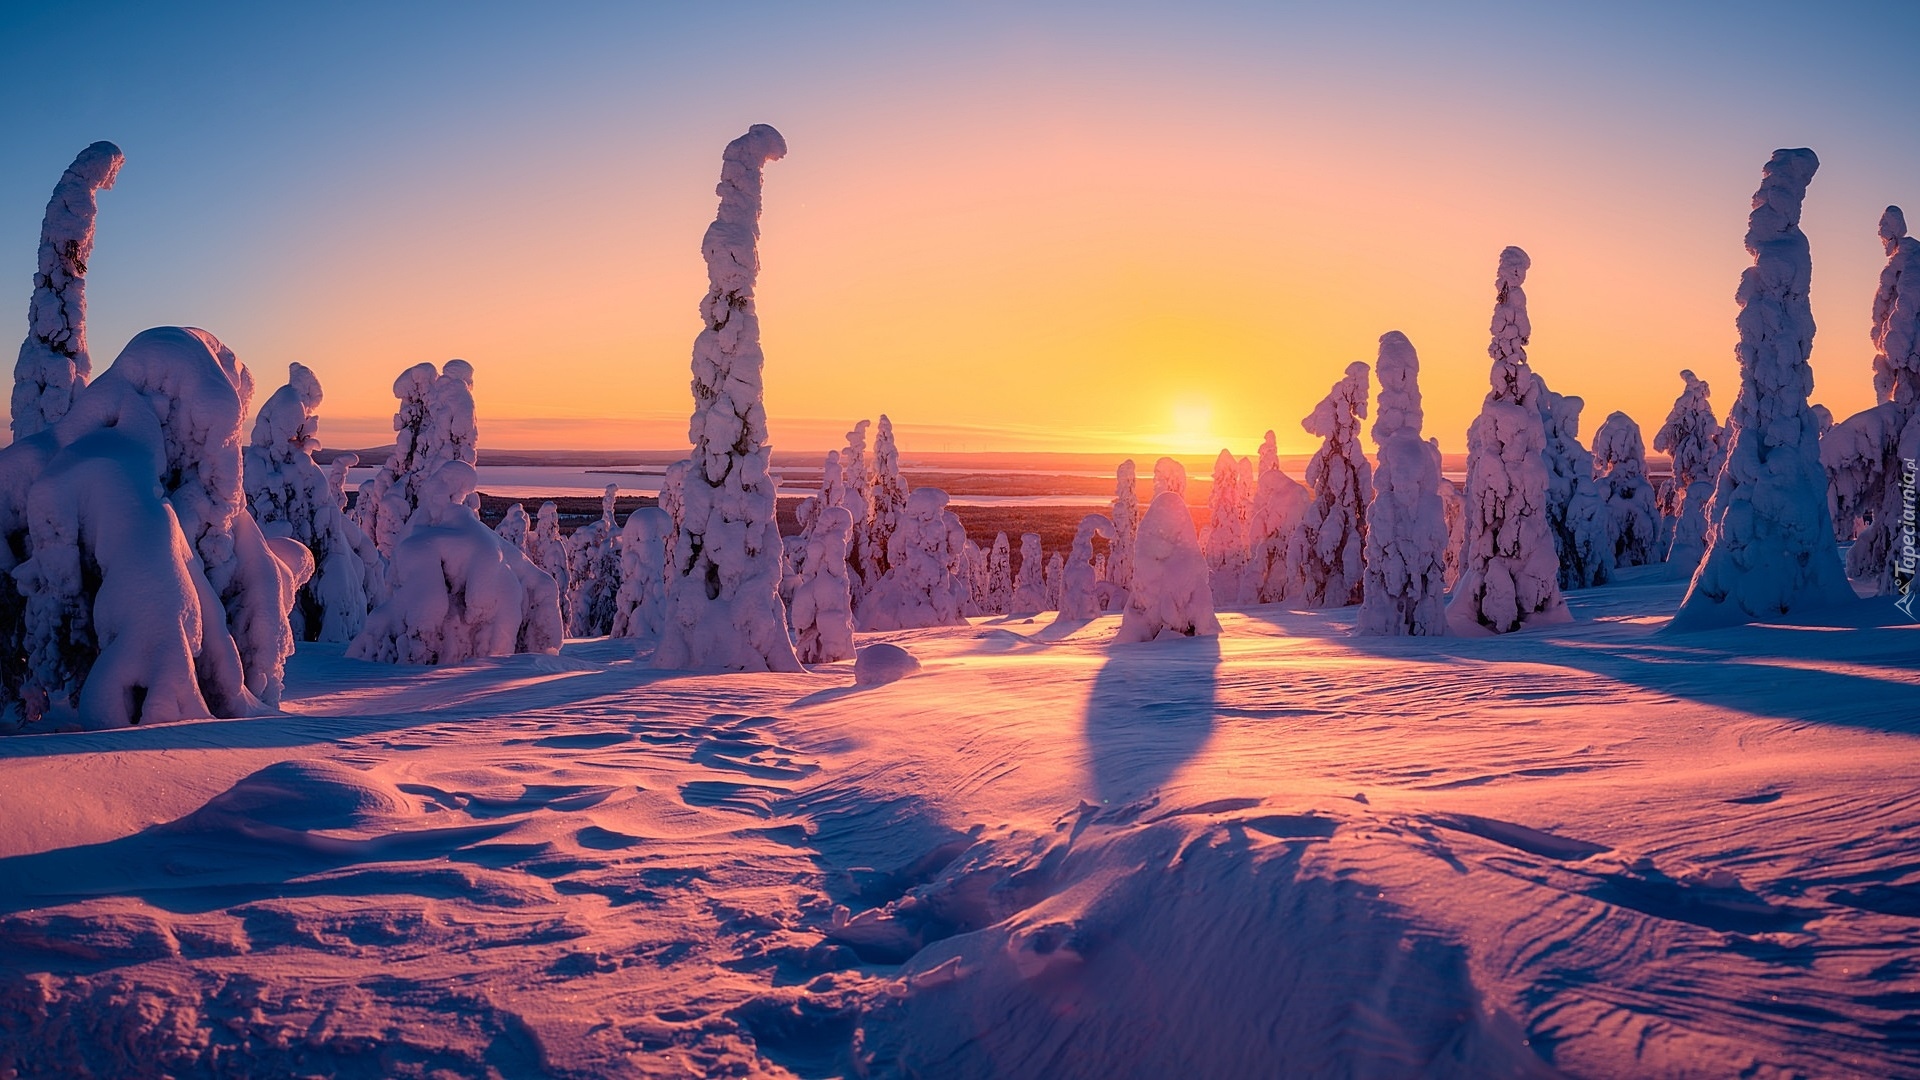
[1098, 226]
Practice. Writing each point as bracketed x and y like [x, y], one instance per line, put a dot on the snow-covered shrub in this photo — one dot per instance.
[1691, 437]
[1770, 545]
[290, 496]
[1576, 502]
[999, 576]
[1169, 475]
[1862, 454]
[1510, 574]
[1278, 542]
[641, 603]
[1170, 595]
[1334, 527]
[1030, 586]
[593, 572]
[1228, 546]
[434, 425]
[1620, 464]
[723, 595]
[1125, 514]
[1406, 536]
[920, 587]
[54, 364]
[458, 591]
[1080, 590]
[822, 599]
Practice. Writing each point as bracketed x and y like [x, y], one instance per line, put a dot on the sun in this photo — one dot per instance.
[1192, 429]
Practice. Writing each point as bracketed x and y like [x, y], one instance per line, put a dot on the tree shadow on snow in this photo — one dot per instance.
[1150, 711]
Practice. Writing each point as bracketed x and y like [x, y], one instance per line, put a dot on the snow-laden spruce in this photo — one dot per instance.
[458, 590]
[1770, 545]
[1510, 575]
[1125, 514]
[1406, 536]
[1029, 584]
[1454, 503]
[1171, 596]
[1169, 475]
[514, 526]
[921, 586]
[547, 549]
[54, 364]
[433, 425]
[1081, 590]
[593, 572]
[640, 607]
[999, 576]
[1334, 527]
[723, 596]
[886, 501]
[147, 592]
[1056, 580]
[1278, 549]
[1691, 437]
[1576, 502]
[289, 495]
[1230, 517]
[1863, 454]
[1620, 471]
[822, 609]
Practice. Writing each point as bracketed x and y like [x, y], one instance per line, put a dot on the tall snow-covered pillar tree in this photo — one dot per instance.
[54, 364]
[1406, 538]
[1126, 522]
[723, 591]
[1509, 577]
[1770, 545]
[1334, 527]
[1691, 437]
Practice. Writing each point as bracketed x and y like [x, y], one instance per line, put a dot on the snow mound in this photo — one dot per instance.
[881, 663]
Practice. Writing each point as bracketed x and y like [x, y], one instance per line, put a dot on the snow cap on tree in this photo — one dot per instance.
[724, 610]
[54, 364]
[1406, 524]
[1770, 544]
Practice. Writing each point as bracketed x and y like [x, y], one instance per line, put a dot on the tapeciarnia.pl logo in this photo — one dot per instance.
[1906, 556]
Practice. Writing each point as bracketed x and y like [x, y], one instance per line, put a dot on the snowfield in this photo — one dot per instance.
[1588, 849]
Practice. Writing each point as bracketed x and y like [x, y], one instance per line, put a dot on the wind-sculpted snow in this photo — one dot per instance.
[1333, 530]
[1770, 544]
[1406, 537]
[54, 365]
[723, 592]
[1171, 596]
[1510, 572]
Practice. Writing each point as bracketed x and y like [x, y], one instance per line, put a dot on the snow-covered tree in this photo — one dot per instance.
[1334, 527]
[920, 587]
[1278, 549]
[1620, 464]
[1228, 545]
[887, 498]
[641, 605]
[1863, 454]
[1056, 584]
[1170, 595]
[1081, 591]
[1576, 501]
[459, 591]
[974, 558]
[823, 599]
[514, 526]
[289, 495]
[1510, 576]
[1125, 513]
[1770, 545]
[54, 364]
[593, 572]
[723, 596]
[1691, 437]
[1454, 503]
[1000, 576]
[1406, 537]
[548, 550]
[1030, 586]
[1169, 475]
[434, 425]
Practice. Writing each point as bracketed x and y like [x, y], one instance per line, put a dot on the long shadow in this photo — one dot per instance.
[1150, 712]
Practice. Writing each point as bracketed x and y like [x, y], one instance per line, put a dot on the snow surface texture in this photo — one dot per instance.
[1228, 543]
[1510, 573]
[1691, 438]
[1620, 470]
[1770, 545]
[641, 606]
[822, 608]
[290, 496]
[54, 365]
[1406, 538]
[1576, 502]
[921, 586]
[459, 591]
[1171, 596]
[593, 573]
[1030, 586]
[1863, 455]
[1334, 527]
[434, 425]
[723, 596]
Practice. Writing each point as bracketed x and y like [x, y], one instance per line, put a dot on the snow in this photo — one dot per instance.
[921, 586]
[885, 490]
[882, 663]
[1691, 438]
[1082, 594]
[641, 605]
[1029, 586]
[1334, 527]
[1278, 550]
[54, 364]
[723, 594]
[1228, 540]
[822, 607]
[1169, 475]
[593, 572]
[1171, 597]
[1510, 573]
[1125, 514]
[433, 425]
[1576, 502]
[1620, 471]
[1406, 537]
[1770, 545]
[999, 576]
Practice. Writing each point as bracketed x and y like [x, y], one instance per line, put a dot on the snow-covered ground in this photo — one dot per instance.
[1590, 848]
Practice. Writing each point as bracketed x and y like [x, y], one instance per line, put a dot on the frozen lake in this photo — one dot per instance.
[549, 481]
